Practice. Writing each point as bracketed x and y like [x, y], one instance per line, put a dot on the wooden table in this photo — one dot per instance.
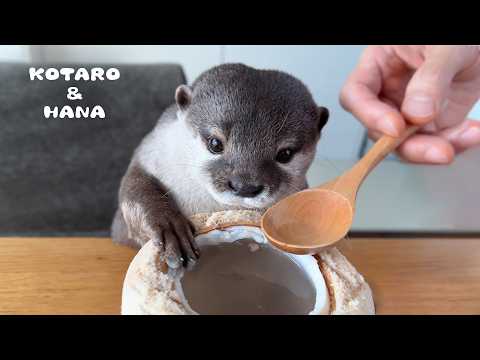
[85, 275]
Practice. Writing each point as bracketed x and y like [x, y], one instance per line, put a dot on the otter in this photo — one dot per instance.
[237, 138]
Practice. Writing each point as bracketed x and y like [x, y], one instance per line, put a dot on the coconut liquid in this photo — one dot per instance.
[245, 277]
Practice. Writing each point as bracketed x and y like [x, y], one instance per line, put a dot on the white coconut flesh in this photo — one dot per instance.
[267, 284]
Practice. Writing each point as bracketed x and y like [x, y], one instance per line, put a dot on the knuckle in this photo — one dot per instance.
[344, 97]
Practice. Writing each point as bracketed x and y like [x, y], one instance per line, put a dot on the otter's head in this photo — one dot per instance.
[256, 131]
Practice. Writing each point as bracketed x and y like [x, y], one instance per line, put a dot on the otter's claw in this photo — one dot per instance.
[176, 242]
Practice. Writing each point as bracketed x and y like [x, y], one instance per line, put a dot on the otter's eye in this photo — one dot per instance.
[284, 156]
[215, 146]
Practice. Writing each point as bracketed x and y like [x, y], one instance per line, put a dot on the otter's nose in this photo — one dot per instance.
[243, 189]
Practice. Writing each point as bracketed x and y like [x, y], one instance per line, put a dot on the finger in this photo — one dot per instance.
[440, 153]
[454, 113]
[360, 97]
[159, 241]
[184, 242]
[364, 104]
[374, 135]
[191, 231]
[429, 128]
[428, 89]
[173, 254]
[463, 136]
[427, 149]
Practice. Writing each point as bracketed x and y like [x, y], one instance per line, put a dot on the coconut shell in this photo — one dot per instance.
[150, 288]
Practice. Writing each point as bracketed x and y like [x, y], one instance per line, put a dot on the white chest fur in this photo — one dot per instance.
[174, 154]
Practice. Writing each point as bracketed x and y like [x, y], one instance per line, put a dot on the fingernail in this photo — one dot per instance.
[435, 155]
[388, 128]
[173, 262]
[471, 135]
[419, 106]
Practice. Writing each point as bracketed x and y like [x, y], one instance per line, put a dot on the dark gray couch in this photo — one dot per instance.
[61, 176]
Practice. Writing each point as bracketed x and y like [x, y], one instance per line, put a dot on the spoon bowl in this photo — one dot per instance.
[310, 220]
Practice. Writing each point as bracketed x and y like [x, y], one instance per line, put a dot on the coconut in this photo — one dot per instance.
[150, 287]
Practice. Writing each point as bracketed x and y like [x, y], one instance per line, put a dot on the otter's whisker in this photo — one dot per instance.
[329, 162]
[282, 125]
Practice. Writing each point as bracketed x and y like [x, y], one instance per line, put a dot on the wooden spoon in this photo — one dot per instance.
[312, 219]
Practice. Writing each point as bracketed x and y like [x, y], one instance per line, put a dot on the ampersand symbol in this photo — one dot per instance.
[73, 94]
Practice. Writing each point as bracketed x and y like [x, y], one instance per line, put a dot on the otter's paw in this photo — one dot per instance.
[175, 240]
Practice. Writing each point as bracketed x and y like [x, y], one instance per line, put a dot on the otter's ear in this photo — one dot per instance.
[183, 96]
[323, 115]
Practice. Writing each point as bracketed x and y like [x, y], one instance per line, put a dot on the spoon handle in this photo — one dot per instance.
[349, 182]
[385, 145]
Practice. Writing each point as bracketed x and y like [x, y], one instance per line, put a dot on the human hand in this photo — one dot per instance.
[434, 86]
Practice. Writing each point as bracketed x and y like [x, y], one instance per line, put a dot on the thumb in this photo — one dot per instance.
[426, 93]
